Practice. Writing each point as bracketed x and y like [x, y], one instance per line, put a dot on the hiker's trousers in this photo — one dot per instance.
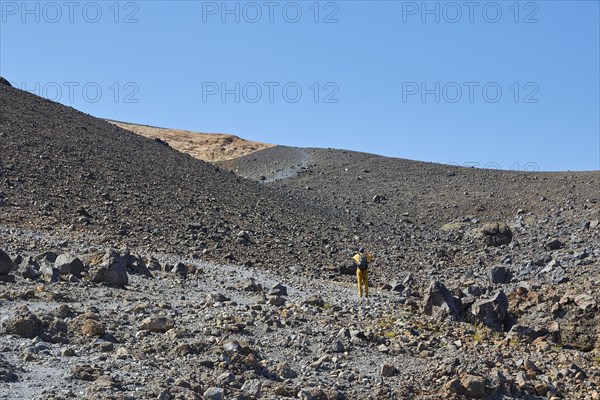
[363, 279]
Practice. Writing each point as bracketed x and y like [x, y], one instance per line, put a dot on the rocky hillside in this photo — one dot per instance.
[428, 194]
[203, 146]
[129, 270]
[426, 216]
[66, 171]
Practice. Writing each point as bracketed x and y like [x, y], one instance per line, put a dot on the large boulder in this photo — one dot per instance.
[6, 263]
[111, 271]
[439, 302]
[496, 234]
[136, 265]
[23, 323]
[67, 263]
[492, 312]
[578, 323]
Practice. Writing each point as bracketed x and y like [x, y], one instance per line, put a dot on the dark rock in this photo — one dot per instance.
[180, 270]
[218, 297]
[50, 274]
[492, 312]
[6, 263]
[30, 273]
[337, 347]
[553, 244]
[500, 274]
[387, 370]
[48, 257]
[578, 330]
[243, 237]
[528, 332]
[7, 278]
[277, 300]
[8, 371]
[497, 234]
[314, 300]
[347, 269]
[153, 264]
[161, 142]
[473, 290]
[136, 265]
[439, 302]
[111, 271]
[54, 330]
[4, 82]
[69, 264]
[279, 290]
[397, 288]
[249, 285]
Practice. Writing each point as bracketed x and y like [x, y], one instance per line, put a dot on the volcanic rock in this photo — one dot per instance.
[6, 263]
[439, 302]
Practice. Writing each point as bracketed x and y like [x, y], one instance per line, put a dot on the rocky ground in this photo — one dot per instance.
[131, 271]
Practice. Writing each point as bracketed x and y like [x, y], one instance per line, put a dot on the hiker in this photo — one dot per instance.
[362, 260]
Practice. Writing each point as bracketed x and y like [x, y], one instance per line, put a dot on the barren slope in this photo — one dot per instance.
[203, 146]
[62, 169]
[426, 193]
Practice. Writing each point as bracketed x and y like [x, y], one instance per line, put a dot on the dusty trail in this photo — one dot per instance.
[296, 160]
[49, 373]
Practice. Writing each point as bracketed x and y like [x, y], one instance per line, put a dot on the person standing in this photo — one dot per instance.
[362, 260]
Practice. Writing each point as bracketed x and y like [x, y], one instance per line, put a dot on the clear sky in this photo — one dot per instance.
[506, 84]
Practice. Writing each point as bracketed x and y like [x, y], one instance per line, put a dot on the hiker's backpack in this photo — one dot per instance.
[362, 262]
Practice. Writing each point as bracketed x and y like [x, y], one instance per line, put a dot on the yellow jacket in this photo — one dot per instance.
[356, 258]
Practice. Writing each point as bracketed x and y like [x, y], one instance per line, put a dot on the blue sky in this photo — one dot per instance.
[506, 84]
